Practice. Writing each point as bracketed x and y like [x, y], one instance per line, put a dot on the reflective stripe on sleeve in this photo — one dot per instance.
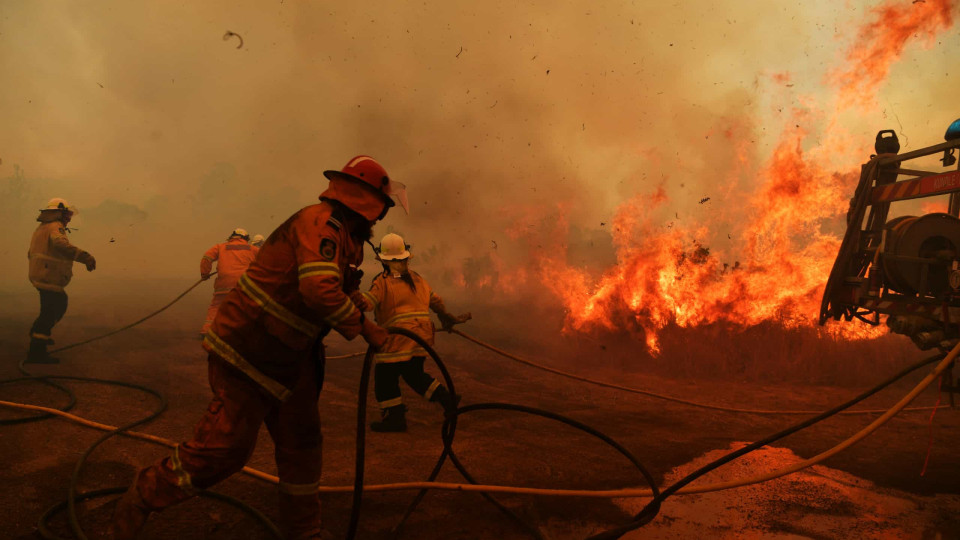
[370, 298]
[311, 269]
[341, 314]
[390, 403]
[298, 489]
[407, 315]
[209, 258]
[40, 336]
[225, 351]
[272, 307]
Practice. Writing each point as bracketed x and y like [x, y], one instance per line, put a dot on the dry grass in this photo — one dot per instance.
[763, 353]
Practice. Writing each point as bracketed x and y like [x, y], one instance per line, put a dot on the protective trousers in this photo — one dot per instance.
[224, 440]
[53, 304]
[218, 298]
[386, 381]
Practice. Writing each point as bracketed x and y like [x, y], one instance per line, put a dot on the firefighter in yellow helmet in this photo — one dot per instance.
[51, 258]
[257, 240]
[400, 297]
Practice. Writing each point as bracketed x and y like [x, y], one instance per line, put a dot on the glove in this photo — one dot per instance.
[373, 334]
[204, 277]
[88, 260]
[448, 320]
[360, 301]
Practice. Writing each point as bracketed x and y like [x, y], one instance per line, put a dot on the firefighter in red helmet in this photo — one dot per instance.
[266, 355]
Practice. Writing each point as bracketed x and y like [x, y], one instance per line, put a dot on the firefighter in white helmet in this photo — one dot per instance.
[232, 258]
[401, 298]
[257, 240]
[51, 258]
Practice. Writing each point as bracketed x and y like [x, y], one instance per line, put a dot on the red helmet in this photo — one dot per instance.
[364, 186]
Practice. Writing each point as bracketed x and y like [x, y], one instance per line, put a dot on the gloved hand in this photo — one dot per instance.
[88, 260]
[448, 320]
[373, 334]
[360, 301]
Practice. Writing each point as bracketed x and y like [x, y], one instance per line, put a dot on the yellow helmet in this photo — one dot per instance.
[393, 248]
[57, 203]
[257, 240]
[242, 233]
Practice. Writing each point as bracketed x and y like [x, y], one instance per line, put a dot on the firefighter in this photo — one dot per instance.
[232, 258]
[265, 362]
[51, 258]
[257, 240]
[401, 298]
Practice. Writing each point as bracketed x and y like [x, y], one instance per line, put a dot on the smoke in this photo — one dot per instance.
[497, 116]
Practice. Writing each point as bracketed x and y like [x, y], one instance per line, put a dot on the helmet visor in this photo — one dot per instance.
[398, 192]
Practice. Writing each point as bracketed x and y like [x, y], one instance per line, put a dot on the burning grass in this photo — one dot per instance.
[767, 352]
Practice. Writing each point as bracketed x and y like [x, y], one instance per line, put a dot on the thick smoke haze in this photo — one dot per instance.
[501, 118]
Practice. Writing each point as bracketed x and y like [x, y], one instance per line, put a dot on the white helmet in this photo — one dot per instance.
[257, 240]
[242, 233]
[60, 204]
[392, 248]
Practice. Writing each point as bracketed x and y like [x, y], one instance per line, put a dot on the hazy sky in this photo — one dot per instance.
[167, 136]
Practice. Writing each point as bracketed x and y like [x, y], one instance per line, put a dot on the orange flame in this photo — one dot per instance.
[881, 41]
[667, 277]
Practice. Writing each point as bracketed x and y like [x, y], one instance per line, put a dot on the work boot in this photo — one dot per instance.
[392, 420]
[38, 353]
[442, 396]
[129, 516]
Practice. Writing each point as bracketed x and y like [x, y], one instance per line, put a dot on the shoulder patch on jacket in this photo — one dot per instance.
[328, 249]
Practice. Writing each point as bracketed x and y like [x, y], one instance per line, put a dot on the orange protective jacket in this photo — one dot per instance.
[289, 297]
[51, 256]
[233, 257]
[395, 303]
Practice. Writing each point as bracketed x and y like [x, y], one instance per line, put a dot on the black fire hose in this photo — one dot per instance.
[448, 432]
[653, 507]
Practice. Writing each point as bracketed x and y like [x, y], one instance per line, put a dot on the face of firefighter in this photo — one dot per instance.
[398, 266]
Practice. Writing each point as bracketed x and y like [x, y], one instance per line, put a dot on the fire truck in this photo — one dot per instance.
[906, 267]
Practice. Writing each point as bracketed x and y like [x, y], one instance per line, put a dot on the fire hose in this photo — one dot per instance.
[448, 432]
[642, 518]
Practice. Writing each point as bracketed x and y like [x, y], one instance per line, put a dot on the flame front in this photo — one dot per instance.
[790, 231]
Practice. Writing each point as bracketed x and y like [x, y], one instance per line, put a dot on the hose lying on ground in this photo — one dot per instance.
[448, 433]
[655, 395]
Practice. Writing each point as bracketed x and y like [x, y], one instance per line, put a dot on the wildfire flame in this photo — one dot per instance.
[785, 249]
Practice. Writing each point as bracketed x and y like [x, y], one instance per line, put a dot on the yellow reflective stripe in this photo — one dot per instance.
[318, 269]
[227, 352]
[341, 314]
[390, 403]
[272, 307]
[370, 298]
[333, 273]
[299, 489]
[209, 258]
[433, 388]
[399, 354]
[407, 315]
[183, 477]
[39, 336]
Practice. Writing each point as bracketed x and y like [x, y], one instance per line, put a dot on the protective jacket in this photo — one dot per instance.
[233, 257]
[395, 303]
[51, 255]
[289, 297]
